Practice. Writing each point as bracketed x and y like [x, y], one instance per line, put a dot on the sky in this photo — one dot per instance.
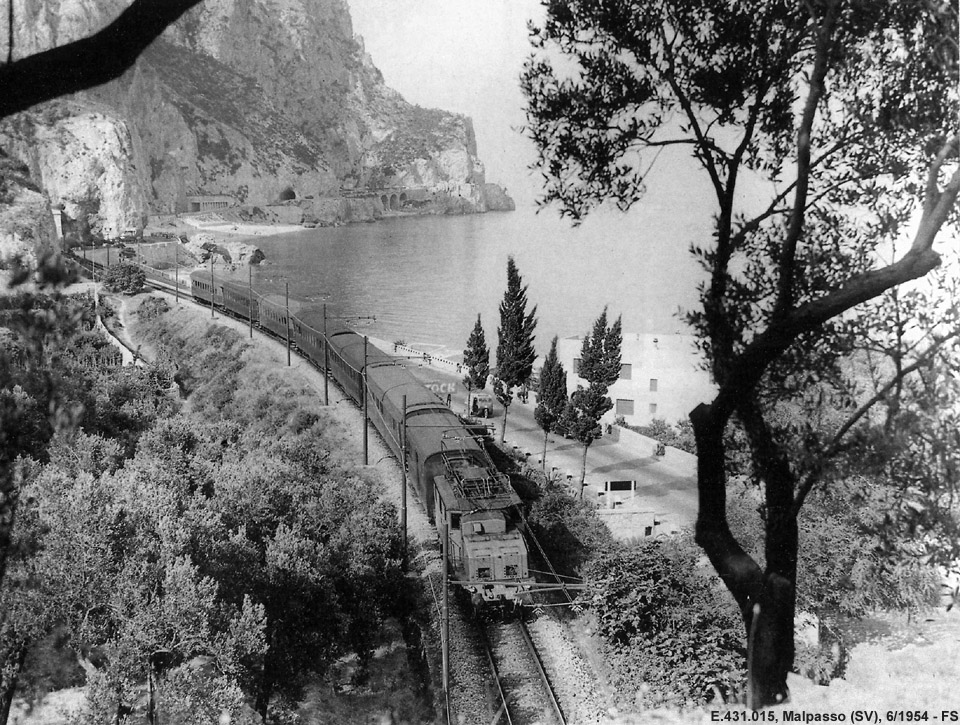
[463, 56]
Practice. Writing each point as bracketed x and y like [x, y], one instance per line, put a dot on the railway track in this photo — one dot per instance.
[523, 693]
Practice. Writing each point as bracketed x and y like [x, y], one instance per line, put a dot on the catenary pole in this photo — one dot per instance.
[366, 425]
[212, 286]
[287, 294]
[403, 487]
[326, 360]
[176, 269]
[445, 611]
[250, 298]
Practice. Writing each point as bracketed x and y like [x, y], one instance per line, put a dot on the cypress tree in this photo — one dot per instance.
[476, 359]
[551, 396]
[515, 353]
[600, 367]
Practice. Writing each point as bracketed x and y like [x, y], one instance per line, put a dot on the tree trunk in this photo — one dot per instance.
[9, 687]
[770, 643]
[583, 469]
[766, 598]
[503, 430]
[546, 435]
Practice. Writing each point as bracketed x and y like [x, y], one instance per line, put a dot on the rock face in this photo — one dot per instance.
[259, 100]
[84, 160]
[26, 224]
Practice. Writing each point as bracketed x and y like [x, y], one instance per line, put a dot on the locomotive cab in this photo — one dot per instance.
[487, 552]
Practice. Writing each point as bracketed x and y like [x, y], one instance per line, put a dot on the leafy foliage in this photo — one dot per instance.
[124, 278]
[667, 625]
[515, 352]
[569, 529]
[227, 558]
[600, 367]
[551, 395]
[476, 358]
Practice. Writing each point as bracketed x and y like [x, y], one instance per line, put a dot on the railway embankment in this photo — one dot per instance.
[400, 679]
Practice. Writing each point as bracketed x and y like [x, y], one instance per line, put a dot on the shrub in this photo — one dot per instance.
[127, 279]
[569, 530]
[666, 624]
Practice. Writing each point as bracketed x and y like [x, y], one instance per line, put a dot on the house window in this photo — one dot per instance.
[455, 521]
[576, 366]
[653, 408]
[653, 385]
[626, 371]
[624, 407]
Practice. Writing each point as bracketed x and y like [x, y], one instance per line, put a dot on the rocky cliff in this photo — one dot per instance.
[258, 100]
[26, 224]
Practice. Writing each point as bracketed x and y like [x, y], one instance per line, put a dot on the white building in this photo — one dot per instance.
[660, 377]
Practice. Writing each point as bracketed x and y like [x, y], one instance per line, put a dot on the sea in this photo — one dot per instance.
[423, 280]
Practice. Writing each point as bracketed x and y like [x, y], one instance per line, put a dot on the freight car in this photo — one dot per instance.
[449, 467]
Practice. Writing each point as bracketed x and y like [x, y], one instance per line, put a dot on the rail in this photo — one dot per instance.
[542, 672]
[503, 709]
[502, 705]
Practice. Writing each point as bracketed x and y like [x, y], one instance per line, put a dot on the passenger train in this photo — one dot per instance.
[450, 469]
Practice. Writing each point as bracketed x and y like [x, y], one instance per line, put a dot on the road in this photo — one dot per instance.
[666, 491]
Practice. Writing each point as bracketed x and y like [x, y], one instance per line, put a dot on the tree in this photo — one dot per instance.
[515, 353]
[476, 358]
[847, 109]
[551, 396]
[600, 367]
[66, 69]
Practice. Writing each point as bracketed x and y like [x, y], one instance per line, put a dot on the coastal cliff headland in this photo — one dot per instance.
[272, 109]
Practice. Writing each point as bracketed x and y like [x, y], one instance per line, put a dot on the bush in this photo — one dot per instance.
[127, 279]
[667, 625]
[569, 530]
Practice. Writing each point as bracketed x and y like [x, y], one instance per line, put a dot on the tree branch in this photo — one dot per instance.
[919, 259]
[835, 443]
[804, 133]
[88, 62]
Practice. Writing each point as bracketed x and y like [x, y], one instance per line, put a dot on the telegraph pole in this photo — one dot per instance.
[326, 360]
[366, 425]
[403, 488]
[445, 612]
[250, 298]
[287, 293]
[211, 285]
[176, 269]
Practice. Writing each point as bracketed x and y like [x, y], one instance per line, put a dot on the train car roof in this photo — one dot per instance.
[444, 431]
[280, 301]
[351, 348]
[392, 381]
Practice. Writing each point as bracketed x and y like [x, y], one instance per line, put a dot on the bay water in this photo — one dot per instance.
[424, 279]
